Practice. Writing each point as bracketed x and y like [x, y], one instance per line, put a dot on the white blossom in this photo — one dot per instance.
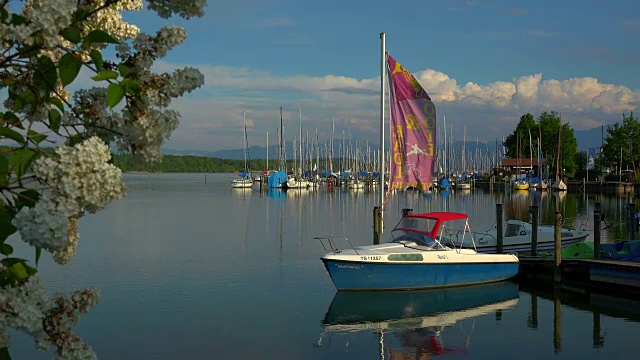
[5, 337]
[63, 256]
[185, 9]
[27, 307]
[47, 19]
[42, 228]
[79, 178]
[23, 307]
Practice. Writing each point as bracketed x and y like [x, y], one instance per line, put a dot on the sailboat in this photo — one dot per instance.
[245, 180]
[279, 178]
[520, 184]
[559, 185]
[540, 183]
[414, 257]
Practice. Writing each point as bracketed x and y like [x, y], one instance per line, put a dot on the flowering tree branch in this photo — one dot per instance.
[44, 193]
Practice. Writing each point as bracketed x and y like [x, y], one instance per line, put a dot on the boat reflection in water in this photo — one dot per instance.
[409, 323]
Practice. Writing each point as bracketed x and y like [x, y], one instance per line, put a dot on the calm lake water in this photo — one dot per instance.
[195, 270]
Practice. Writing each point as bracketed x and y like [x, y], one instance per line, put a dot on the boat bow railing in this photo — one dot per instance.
[330, 246]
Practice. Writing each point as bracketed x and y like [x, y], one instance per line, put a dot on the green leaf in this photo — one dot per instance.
[26, 97]
[58, 103]
[4, 171]
[18, 19]
[99, 36]
[74, 139]
[35, 136]
[27, 198]
[69, 68]
[124, 70]
[46, 75]
[4, 354]
[115, 93]
[38, 253]
[4, 14]
[19, 270]
[24, 158]
[13, 135]
[11, 118]
[105, 75]
[6, 249]
[27, 51]
[131, 86]
[96, 56]
[6, 227]
[72, 34]
[54, 119]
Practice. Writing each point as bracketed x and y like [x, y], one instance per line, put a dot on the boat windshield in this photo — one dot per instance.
[412, 236]
[414, 229]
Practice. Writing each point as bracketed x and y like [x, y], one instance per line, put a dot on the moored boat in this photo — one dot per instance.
[517, 237]
[414, 258]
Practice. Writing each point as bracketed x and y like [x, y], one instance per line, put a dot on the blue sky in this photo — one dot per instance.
[485, 63]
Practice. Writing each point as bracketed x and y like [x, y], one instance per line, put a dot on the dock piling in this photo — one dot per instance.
[558, 248]
[596, 232]
[376, 225]
[632, 219]
[533, 210]
[500, 240]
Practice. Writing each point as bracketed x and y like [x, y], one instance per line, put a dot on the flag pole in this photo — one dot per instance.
[383, 69]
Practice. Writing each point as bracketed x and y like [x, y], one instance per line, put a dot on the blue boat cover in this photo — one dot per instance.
[276, 179]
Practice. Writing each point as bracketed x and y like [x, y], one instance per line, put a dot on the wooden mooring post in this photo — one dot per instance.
[500, 240]
[557, 319]
[558, 248]
[533, 210]
[632, 219]
[377, 225]
[596, 231]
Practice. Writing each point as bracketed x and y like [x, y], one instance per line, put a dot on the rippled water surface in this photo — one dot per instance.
[197, 270]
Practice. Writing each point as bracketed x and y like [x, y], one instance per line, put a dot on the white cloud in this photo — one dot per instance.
[212, 116]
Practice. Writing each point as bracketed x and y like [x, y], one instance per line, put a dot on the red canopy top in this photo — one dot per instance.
[439, 217]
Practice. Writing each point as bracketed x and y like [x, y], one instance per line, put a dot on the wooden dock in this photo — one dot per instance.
[609, 274]
[604, 187]
[575, 186]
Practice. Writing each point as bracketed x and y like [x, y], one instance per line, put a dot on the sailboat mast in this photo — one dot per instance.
[444, 119]
[383, 65]
[282, 154]
[300, 145]
[559, 145]
[244, 122]
[333, 130]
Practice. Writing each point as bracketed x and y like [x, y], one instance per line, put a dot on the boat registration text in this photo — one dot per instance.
[371, 258]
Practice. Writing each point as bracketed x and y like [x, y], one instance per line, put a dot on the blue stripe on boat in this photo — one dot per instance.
[348, 275]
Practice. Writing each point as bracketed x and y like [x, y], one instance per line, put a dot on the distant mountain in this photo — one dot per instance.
[589, 139]
[260, 152]
[188, 152]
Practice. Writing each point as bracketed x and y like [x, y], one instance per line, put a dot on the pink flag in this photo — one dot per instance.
[413, 131]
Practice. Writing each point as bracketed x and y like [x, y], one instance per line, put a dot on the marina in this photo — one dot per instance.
[182, 254]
